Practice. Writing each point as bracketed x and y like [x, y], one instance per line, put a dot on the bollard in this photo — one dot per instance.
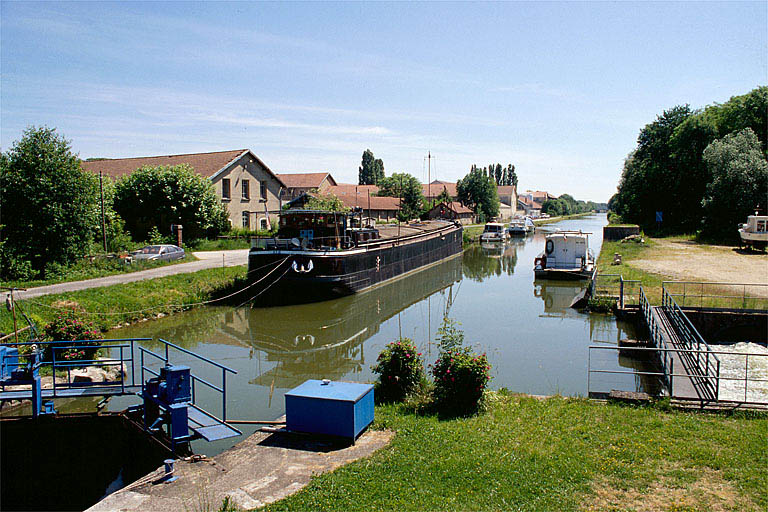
[169, 476]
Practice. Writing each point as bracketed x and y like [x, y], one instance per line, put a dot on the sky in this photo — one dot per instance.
[559, 89]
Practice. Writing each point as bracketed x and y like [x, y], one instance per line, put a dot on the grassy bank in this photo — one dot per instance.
[550, 220]
[100, 267]
[113, 305]
[553, 454]
[632, 251]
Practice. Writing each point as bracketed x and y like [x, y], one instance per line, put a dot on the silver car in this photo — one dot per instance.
[159, 253]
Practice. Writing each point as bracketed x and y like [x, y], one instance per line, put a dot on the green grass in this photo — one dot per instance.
[540, 222]
[631, 251]
[222, 244]
[100, 267]
[112, 305]
[553, 454]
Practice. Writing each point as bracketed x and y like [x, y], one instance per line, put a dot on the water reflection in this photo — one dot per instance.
[489, 259]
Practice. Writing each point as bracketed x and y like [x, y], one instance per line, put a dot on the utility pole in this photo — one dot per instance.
[103, 228]
[429, 175]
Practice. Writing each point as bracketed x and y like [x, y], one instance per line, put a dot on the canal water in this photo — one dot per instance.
[534, 341]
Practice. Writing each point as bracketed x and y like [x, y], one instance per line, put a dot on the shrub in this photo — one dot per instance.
[400, 370]
[460, 379]
[601, 304]
[460, 375]
[69, 326]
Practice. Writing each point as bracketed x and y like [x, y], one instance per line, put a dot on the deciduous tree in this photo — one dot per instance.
[478, 191]
[408, 189]
[371, 170]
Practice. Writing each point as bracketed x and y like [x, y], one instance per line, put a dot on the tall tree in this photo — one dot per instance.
[408, 189]
[371, 170]
[739, 183]
[478, 191]
[48, 202]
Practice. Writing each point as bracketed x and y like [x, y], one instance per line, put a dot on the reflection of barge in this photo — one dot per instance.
[326, 340]
[320, 255]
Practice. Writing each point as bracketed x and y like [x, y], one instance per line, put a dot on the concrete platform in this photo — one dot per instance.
[261, 469]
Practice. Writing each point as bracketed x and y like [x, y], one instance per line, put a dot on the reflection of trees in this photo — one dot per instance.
[486, 260]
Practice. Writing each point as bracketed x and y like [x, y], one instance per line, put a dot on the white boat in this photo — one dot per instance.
[566, 256]
[521, 227]
[755, 232]
[494, 232]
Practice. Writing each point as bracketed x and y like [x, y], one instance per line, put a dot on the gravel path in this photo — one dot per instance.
[688, 261]
[205, 260]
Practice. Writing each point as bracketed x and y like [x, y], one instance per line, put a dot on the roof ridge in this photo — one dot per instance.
[179, 154]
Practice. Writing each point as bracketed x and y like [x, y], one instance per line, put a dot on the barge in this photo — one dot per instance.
[319, 255]
[754, 233]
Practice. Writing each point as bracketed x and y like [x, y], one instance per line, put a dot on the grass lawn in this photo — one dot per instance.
[100, 268]
[222, 244]
[553, 454]
[632, 251]
[112, 305]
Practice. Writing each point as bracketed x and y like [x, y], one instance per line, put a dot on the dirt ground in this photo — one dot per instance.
[689, 261]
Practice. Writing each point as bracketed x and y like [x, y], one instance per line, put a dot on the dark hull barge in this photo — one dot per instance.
[320, 255]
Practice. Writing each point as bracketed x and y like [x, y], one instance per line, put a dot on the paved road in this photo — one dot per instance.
[207, 259]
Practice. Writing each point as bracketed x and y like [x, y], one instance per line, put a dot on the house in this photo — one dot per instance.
[452, 211]
[433, 189]
[507, 201]
[381, 208]
[530, 206]
[248, 188]
[300, 183]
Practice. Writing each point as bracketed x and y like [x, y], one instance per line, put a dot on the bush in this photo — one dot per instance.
[460, 379]
[601, 304]
[400, 370]
[460, 375]
[69, 326]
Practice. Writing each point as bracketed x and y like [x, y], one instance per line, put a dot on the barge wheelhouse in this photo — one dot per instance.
[319, 255]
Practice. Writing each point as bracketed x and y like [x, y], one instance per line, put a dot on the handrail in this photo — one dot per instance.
[169, 344]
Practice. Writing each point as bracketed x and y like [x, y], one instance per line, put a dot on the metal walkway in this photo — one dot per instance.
[689, 368]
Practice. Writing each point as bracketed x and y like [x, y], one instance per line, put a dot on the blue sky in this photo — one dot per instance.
[558, 89]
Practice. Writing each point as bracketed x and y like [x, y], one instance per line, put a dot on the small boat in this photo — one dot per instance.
[521, 227]
[755, 232]
[494, 232]
[566, 256]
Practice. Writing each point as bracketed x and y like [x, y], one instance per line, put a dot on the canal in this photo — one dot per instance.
[534, 341]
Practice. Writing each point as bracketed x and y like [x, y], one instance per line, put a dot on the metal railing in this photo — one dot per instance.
[658, 340]
[746, 378]
[704, 295]
[310, 244]
[166, 360]
[625, 291]
[690, 338]
[59, 364]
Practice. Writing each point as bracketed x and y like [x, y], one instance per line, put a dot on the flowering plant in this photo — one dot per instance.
[68, 326]
[460, 379]
[400, 370]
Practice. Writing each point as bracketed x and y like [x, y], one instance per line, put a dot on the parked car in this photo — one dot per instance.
[159, 253]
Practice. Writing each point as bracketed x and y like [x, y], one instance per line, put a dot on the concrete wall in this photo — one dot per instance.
[619, 232]
[247, 168]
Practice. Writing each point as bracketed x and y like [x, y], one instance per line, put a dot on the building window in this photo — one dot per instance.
[263, 189]
[225, 188]
[263, 224]
[247, 220]
[246, 190]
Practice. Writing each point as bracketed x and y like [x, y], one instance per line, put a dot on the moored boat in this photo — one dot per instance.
[754, 233]
[494, 232]
[566, 256]
[319, 255]
[520, 227]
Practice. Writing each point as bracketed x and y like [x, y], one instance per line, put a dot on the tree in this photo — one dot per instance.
[408, 189]
[371, 170]
[160, 196]
[478, 191]
[328, 202]
[739, 183]
[48, 202]
[444, 197]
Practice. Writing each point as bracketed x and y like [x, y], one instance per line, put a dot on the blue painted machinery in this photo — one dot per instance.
[15, 373]
[166, 402]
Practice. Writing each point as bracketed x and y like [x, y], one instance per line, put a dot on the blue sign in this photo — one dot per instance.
[658, 216]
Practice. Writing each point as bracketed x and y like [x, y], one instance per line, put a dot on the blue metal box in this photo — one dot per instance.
[337, 408]
[175, 384]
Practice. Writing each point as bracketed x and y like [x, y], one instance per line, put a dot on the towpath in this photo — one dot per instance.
[205, 260]
[260, 470]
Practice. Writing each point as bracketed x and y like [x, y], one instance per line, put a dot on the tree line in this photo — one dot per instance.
[51, 207]
[567, 205]
[704, 170]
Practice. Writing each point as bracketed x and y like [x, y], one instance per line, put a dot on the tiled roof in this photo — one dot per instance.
[505, 190]
[347, 189]
[459, 208]
[305, 179]
[377, 203]
[436, 188]
[205, 164]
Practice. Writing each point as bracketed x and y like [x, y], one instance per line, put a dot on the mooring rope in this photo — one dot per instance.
[202, 303]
